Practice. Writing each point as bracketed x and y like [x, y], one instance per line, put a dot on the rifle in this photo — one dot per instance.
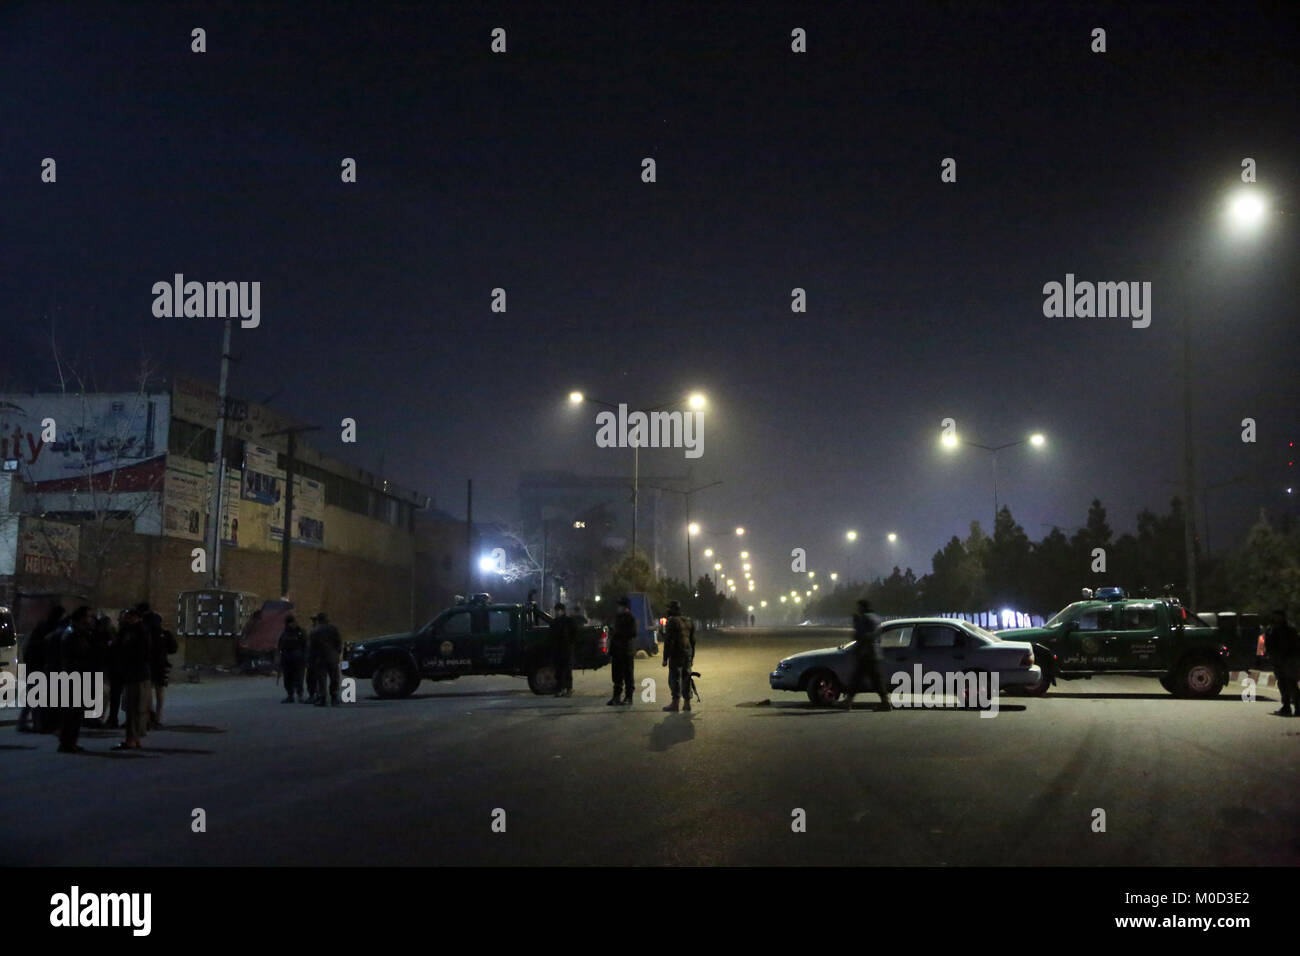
[695, 690]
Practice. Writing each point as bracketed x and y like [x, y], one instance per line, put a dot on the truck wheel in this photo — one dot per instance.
[542, 680]
[823, 688]
[394, 680]
[1199, 678]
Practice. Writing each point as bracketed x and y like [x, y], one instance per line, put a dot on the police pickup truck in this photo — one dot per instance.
[1153, 637]
[476, 637]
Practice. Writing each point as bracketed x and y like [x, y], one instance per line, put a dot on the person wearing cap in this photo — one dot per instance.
[293, 659]
[564, 636]
[866, 633]
[679, 655]
[622, 652]
[326, 650]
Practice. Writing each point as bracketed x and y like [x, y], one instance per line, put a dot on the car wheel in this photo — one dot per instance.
[393, 680]
[1200, 678]
[542, 680]
[824, 688]
[1040, 689]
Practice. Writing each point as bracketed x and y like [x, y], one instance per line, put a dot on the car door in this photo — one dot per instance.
[897, 652]
[940, 648]
[450, 650]
[1090, 641]
[1135, 640]
[496, 642]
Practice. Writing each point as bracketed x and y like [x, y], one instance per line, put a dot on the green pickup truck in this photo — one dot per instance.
[474, 638]
[1148, 636]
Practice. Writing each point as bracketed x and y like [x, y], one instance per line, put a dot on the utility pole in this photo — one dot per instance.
[286, 543]
[1189, 464]
[219, 462]
[469, 538]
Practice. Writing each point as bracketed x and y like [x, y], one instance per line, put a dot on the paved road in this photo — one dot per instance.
[416, 781]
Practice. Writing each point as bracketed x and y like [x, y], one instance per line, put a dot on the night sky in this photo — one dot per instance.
[775, 170]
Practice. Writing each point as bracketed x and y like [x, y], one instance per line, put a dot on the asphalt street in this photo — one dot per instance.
[419, 781]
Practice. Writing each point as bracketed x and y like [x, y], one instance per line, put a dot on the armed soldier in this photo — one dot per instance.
[866, 633]
[1283, 648]
[326, 649]
[679, 655]
[564, 636]
[293, 660]
[622, 649]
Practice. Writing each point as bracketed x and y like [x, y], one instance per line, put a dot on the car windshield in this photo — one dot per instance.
[1056, 619]
[987, 635]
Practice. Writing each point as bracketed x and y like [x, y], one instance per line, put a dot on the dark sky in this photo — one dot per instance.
[775, 170]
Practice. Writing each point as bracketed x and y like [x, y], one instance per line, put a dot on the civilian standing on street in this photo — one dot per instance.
[622, 649]
[72, 642]
[563, 639]
[162, 643]
[136, 653]
[866, 634]
[35, 658]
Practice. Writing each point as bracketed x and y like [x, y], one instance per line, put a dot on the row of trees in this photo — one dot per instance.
[1010, 570]
[705, 603]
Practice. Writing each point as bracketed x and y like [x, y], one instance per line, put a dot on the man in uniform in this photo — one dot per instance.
[293, 659]
[679, 655]
[866, 633]
[326, 648]
[1283, 648]
[622, 649]
[564, 635]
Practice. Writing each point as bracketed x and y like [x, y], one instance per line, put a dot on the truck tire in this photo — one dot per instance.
[1199, 677]
[823, 688]
[542, 680]
[394, 679]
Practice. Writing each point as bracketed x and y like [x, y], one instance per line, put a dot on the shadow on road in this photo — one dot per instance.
[673, 729]
[16, 747]
[189, 729]
[452, 696]
[1113, 696]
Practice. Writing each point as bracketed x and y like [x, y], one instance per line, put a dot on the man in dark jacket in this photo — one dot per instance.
[866, 634]
[1283, 649]
[35, 659]
[293, 659]
[622, 650]
[679, 656]
[162, 643]
[326, 650]
[134, 656]
[71, 642]
[564, 637]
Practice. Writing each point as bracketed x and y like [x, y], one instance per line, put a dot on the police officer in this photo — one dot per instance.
[564, 635]
[679, 655]
[293, 659]
[1283, 648]
[622, 648]
[326, 644]
[866, 634]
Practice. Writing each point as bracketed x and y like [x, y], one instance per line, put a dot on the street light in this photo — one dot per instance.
[744, 555]
[696, 400]
[740, 532]
[708, 552]
[892, 537]
[951, 442]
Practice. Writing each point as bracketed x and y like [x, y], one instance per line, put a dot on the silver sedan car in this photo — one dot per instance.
[936, 644]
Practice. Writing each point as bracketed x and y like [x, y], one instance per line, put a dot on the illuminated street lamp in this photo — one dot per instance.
[740, 532]
[834, 576]
[951, 442]
[708, 552]
[695, 400]
[892, 537]
[744, 555]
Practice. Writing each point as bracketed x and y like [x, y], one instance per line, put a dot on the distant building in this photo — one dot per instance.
[113, 493]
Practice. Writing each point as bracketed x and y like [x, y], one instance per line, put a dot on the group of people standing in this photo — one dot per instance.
[131, 654]
[315, 656]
